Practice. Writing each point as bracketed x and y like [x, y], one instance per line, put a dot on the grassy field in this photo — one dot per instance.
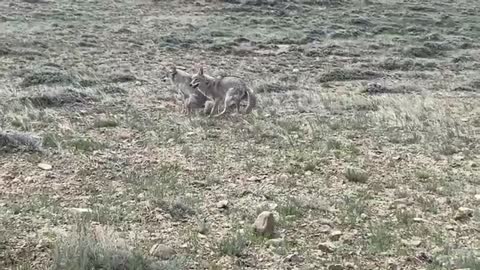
[364, 144]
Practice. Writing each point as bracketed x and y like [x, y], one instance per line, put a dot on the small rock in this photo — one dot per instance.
[45, 166]
[254, 179]
[350, 266]
[335, 267]
[283, 177]
[124, 135]
[411, 243]
[308, 173]
[265, 224]
[326, 247]
[223, 204]
[295, 258]
[420, 220]
[162, 251]
[325, 222]
[335, 235]
[324, 229]
[275, 242]
[450, 228]
[80, 211]
[464, 213]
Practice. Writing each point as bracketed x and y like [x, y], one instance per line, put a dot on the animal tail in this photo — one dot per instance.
[252, 101]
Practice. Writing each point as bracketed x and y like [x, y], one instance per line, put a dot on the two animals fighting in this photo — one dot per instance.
[200, 90]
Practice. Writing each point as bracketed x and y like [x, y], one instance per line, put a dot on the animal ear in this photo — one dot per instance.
[173, 68]
[201, 71]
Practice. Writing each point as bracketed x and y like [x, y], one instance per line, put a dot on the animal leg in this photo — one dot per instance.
[215, 107]
[224, 109]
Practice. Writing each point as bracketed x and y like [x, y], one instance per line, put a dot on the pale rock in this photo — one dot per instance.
[223, 204]
[324, 229]
[308, 173]
[265, 224]
[477, 197]
[254, 179]
[463, 213]
[124, 135]
[420, 220]
[80, 211]
[335, 267]
[412, 242]
[162, 251]
[326, 247]
[45, 166]
[350, 266]
[294, 258]
[335, 235]
[325, 222]
[283, 177]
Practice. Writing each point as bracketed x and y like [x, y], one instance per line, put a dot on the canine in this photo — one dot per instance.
[190, 97]
[232, 90]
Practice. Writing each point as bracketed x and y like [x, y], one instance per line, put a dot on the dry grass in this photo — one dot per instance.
[367, 126]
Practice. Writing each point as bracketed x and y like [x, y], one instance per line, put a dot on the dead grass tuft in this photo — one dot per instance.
[15, 139]
[339, 74]
[102, 249]
[59, 98]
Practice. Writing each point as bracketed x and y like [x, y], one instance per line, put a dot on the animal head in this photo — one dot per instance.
[198, 78]
[169, 73]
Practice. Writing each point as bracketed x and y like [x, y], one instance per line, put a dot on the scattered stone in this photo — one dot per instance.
[477, 197]
[283, 177]
[326, 247]
[275, 242]
[335, 235]
[265, 224]
[420, 220]
[45, 166]
[124, 135]
[335, 267]
[411, 243]
[450, 228]
[350, 266]
[463, 213]
[162, 251]
[223, 204]
[325, 221]
[254, 179]
[294, 258]
[80, 211]
[324, 229]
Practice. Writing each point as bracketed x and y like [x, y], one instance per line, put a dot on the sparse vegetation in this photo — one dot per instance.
[365, 138]
[356, 175]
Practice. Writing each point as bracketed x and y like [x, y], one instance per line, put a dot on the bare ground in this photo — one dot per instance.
[367, 126]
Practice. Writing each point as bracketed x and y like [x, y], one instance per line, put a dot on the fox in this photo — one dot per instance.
[191, 98]
[229, 89]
